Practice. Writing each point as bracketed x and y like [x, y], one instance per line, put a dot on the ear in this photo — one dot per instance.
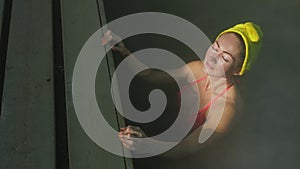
[236, 73]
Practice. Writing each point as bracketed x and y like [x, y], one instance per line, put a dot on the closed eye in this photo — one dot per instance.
[226, 60]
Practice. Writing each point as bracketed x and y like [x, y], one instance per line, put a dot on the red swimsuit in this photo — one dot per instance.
[201, 118]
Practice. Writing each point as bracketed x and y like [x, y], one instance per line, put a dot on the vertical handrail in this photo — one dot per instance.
[4, 43]
[111, 68]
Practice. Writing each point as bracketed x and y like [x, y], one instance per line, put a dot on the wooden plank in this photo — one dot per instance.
[27, 120]
[80, 21]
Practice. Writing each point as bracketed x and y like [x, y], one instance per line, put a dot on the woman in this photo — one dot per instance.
[231, 55]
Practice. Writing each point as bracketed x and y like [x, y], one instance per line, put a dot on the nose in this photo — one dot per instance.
[218, 52]
[217, 55]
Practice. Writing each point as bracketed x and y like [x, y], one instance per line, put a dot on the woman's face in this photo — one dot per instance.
[223, 58]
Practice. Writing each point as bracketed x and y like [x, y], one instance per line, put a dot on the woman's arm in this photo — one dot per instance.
[190, 144]
[149, 75]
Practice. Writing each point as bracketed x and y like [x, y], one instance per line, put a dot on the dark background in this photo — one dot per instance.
[266, 134]
[39, 44]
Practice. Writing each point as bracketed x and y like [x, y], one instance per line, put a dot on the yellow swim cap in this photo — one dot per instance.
[252, 36]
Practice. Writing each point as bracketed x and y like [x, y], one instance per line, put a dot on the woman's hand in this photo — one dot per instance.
[129, 137]
[110, 37]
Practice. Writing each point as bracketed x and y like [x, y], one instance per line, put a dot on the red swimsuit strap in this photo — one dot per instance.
[199, 80]
[192, 83]
[204, 109]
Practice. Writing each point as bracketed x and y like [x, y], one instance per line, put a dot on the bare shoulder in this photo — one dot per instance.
[197, 68]
[197, 64]
[233, 97]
